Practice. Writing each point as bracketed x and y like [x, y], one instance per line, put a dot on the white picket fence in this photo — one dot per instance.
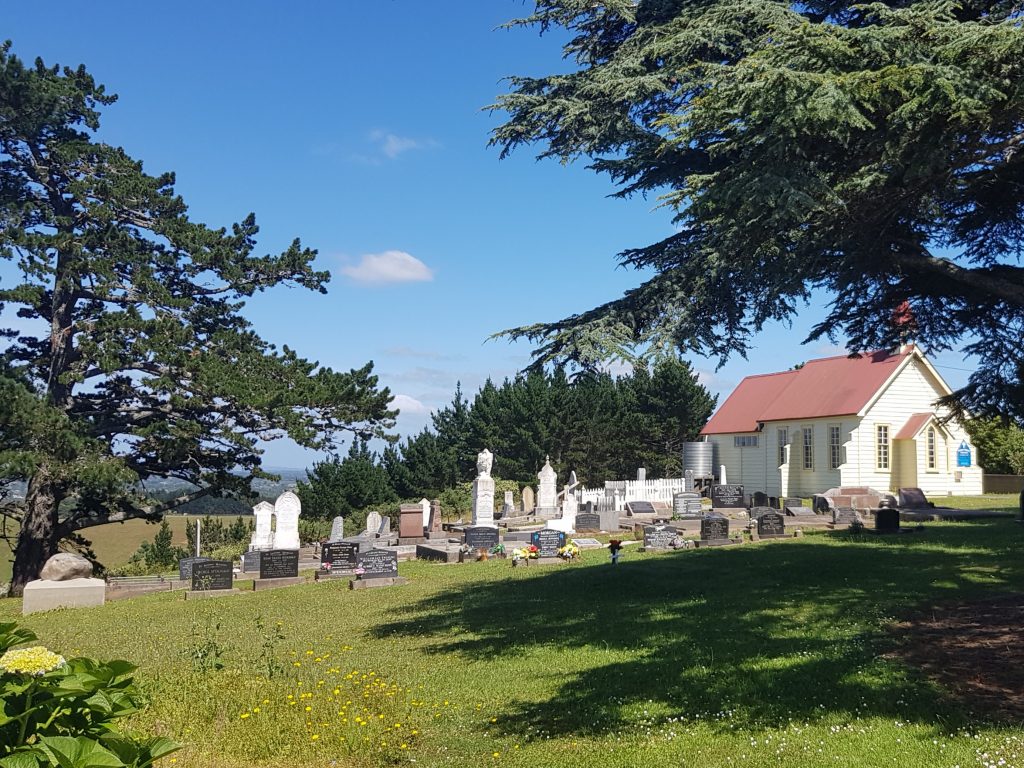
[616, 493]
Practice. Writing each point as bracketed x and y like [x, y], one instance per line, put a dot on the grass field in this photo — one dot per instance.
[762, 655]
[114, 543]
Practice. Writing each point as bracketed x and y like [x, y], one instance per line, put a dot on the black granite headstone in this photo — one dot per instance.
[340, 555]
[185, 566]
[659, 536]
[251, 561]
[756, 512]
[887, 520]
[481, 537]
[212, 574]
[587, 521]
[378, 564]
[771, 525]
[714, 529]
[548, 542]
[759, 499]
[279, 564]
[728, 497]
[640, 508]
[845, 516]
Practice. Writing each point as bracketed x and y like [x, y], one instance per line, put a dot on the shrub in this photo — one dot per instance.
[57, 712]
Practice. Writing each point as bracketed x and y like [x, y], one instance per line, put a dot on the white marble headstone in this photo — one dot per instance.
[287, 509]
[547, 490]
[483, 490]
[337, 529]
[425, 504]
[263, 534]
[373, 521]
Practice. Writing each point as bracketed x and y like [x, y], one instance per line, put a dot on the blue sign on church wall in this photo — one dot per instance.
[963, 455]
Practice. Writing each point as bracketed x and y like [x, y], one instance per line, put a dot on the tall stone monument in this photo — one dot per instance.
[547, 491]
[337, 529]
[425, 506]
[287, 509]
[263, 534]
[483, 490]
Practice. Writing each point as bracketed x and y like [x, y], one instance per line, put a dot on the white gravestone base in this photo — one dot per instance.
[73, 593]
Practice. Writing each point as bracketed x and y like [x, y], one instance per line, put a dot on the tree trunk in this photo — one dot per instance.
[37, 541]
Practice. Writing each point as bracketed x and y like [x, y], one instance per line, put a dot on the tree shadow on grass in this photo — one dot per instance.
[769, 633]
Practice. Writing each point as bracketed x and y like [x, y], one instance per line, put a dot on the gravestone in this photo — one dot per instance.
[279, 564]
[481, 537]
[337, 529]
[756, 512]
[410, 521]
[641, 475]
[547, 542]
[846, 516]
[688, 480]
[340, 555]
[483, 490]
[728, 497]
[771, 525]
[373, 523]
[887, 520]
[759, 499]
[435, 516]
[547, 491]
[640, 508]
[589, 507]
[251, 561]
[792, 501]
[263, 534]
[528, 502]
[287, 509]
[714, 529]
[378, 564]
[913, 498]
[212, 574]
[687, 505]
[588, 521]
[425, 505]
[508, 507]
[799, 510]
[384, 529]
[659, 536]
[185, 566]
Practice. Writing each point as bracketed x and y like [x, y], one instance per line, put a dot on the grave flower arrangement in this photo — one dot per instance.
[57, 711]
[569, 552]
[497, 549]
[527, 552]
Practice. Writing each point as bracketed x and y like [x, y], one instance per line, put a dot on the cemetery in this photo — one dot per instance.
[642, 541]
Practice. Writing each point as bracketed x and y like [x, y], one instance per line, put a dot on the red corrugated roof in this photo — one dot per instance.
[914, 424]
[830, 386]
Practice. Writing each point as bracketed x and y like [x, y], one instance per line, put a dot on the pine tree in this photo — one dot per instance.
[146, 367]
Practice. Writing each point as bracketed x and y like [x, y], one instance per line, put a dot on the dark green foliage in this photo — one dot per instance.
[347, 487]
[160, 554]
[1000, 446]
[145, 366]
[600, 426]
[66, 717]
[873, 154]
[215, 533]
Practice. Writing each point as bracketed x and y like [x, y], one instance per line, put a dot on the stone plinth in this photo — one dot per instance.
[390, 581]
[43, 595]
[202, 594]
[483, 500]
[286, 581]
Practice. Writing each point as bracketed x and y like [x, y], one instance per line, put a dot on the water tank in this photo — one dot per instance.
[700, 458]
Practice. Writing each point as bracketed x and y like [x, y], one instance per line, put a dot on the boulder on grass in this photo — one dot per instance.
[64, 566]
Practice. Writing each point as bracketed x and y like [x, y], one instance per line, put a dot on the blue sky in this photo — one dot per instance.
[360, 128]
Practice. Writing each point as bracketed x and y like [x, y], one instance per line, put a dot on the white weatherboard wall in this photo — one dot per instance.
[913, 388]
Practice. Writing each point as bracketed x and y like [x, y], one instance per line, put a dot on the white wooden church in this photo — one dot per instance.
[844, 421]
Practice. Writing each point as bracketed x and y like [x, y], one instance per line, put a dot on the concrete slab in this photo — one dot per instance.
[259, 585]
[43, 595]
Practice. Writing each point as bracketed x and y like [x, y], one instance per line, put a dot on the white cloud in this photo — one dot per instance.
[389, 267]
[391, 145]
[408, 405]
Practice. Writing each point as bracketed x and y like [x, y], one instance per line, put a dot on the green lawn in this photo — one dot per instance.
[767, 654]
